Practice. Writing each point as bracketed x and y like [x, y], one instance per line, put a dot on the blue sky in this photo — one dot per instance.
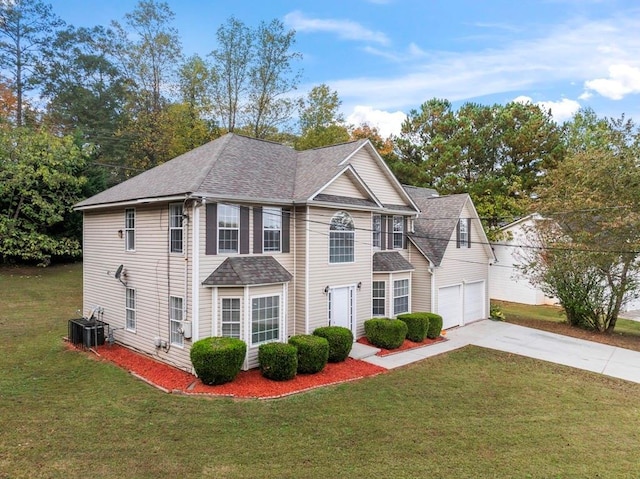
[386, 57]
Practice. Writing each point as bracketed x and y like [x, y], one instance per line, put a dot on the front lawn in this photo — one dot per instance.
[471, 413]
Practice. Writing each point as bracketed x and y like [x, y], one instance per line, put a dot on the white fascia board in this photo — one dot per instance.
[139, 201]
[241, 199]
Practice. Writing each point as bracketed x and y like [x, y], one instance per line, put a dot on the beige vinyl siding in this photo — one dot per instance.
[376, 179]
[322, 273]
[344, 186]
[464, 265]
[420, 281]
[209, 263]
[150, 270]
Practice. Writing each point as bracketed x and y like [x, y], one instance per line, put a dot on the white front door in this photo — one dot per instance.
[341, 307]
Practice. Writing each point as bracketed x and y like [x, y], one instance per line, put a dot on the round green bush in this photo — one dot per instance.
[417, 325]
[340, 341]
[385, 333]
[218, 360]
[313, 352]
[278, 361]
[435, 325]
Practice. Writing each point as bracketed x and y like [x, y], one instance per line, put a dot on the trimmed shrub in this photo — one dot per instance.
[218, 360]
[278, 361]
[340, 341]
[385, 333]
[435, 325]
[313, 352]
[417, 325]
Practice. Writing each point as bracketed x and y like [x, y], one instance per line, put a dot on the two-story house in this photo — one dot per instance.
[251, 239]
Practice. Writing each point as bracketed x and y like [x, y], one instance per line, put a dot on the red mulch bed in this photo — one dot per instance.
[248, 384]
[405, 345]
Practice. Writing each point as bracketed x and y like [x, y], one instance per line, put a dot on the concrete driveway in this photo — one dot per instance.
[578, 353]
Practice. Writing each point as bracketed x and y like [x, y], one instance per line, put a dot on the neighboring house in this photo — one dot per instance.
[252, 239]
[508, 283]
[452, 257]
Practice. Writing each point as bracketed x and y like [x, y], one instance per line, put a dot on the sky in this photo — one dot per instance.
[387, 57]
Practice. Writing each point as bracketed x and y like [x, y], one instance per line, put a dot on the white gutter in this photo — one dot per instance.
[195, 271]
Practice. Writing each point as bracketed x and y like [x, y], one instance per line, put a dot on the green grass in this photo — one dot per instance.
[468, 414]
[554, 314]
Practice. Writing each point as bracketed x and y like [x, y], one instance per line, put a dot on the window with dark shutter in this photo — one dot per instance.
[257, 229]
[244, 230]
[211, 229]
[286, 230]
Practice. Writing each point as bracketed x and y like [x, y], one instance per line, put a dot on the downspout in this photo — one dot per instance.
[432, 270]
[195, 271]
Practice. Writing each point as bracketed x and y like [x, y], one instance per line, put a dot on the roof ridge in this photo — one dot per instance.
[197, 183]
[334, 145]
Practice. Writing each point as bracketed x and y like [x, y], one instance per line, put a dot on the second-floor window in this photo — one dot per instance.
[398, 232]
[376, 231]
[228, 228]
[341, 238]
[175, 228]
[272, 228]
[129, 229]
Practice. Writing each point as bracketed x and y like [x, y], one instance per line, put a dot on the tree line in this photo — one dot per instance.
[85, 108]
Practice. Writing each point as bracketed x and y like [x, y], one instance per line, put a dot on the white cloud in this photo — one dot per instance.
[346, 29]
[386, 122]
[623, 80]
[560, 110]
[569, 52]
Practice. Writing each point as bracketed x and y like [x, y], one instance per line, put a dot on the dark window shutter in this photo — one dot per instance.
[211, 237]
[390, 232]
[458, 234]
[383, 233]
[404, 233]
[468, 232]
[244, 230]
[286, 230]
[257, 229]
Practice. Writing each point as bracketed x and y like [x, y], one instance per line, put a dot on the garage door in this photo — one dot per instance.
[474, 301]
[450, 306]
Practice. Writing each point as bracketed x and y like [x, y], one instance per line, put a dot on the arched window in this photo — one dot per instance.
[341, 238]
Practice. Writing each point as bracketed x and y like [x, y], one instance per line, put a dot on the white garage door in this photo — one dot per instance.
[474, 301]
[450, 306]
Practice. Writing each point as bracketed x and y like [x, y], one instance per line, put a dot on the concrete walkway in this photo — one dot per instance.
[578, 353]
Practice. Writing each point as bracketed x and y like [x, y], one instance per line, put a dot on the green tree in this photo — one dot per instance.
[321, 122]
[26, 26]
[271, 79]
[590, 255]
[232, 61]
[39, 183]
[196, 81]
[497, 154]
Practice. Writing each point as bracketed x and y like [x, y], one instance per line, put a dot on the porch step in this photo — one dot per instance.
[362, 351]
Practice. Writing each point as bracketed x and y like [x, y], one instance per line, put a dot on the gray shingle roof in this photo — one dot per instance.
[237, 167]
[437, 221]
[389, 261]
[247, 270]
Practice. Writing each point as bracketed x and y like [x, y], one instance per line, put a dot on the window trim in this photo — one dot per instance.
[376, 234]
[279, 319]
[130, 309]
[383, 298]
[129, 229]
[276, 212]
[333, 236]
[175, 321]
[398, 232]
[222, 311]
[396, 297]
[176, 228]
[464, 242]
[220, 228]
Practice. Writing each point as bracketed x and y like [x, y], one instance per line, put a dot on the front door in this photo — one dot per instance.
[341, 307]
